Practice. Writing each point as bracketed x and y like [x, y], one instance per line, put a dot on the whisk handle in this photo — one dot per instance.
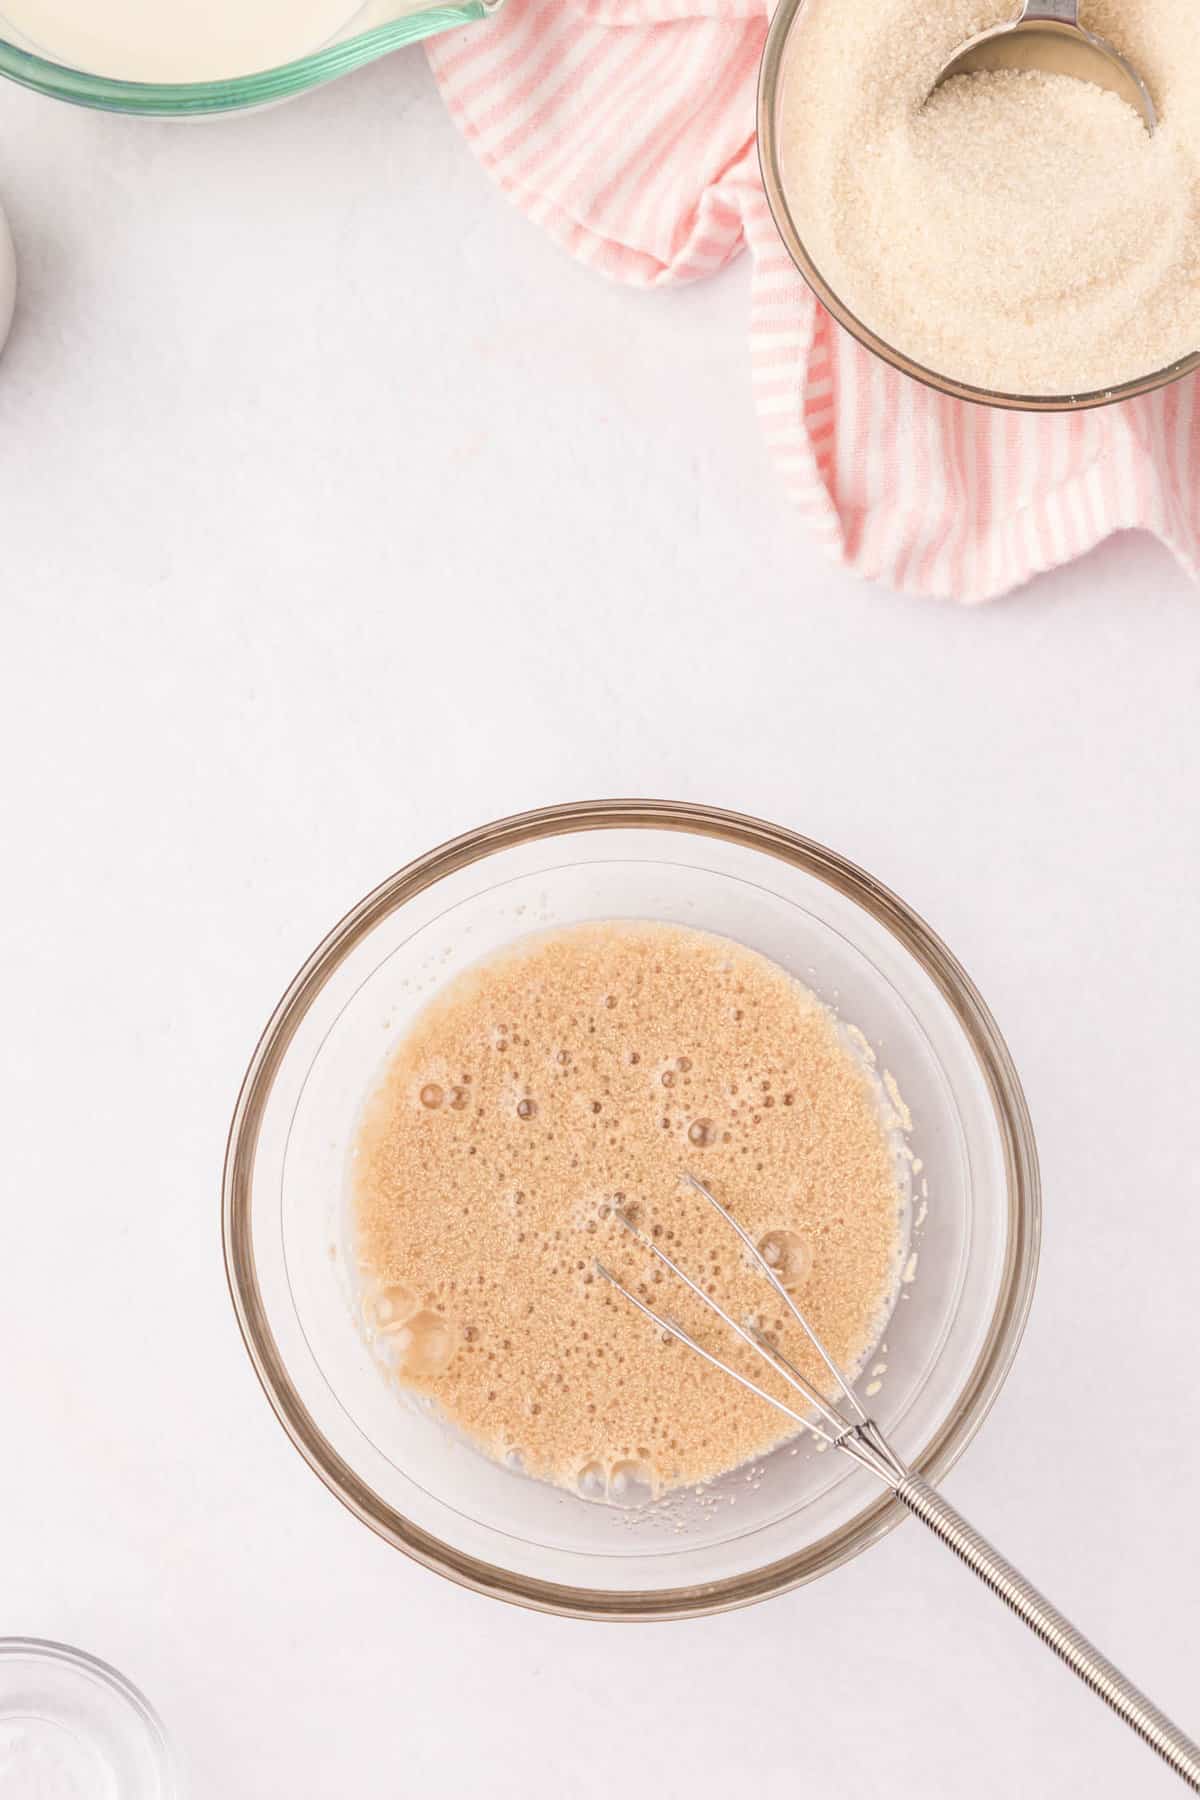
[1128, 1702]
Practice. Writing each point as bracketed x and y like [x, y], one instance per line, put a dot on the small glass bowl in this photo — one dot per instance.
[974, 1221]
[772, 75]
[70, 1725]
[371, 32]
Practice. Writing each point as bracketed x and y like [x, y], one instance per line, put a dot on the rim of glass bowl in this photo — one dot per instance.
[1021, 1176]
[192, 99]
[770, 76]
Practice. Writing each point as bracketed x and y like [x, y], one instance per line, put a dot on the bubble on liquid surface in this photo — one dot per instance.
[431, 1096]
[788, 1256]
[425, 1345]
[592, 1481]
[702, 1133]
[526, 1109]
[388, 1309]
[458, 1098]
[514, 1460]
[630, 1484]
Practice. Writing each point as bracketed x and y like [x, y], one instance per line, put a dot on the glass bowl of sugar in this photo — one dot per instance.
[389, 1378]
[1016, 237]
[193, 58]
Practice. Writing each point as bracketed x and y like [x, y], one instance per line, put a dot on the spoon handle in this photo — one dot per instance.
[1127, 1701]
[1063, 12]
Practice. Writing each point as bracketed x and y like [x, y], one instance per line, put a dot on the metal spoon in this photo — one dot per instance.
[1047, 35]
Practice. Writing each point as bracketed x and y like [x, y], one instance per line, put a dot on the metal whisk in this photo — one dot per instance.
[847, 1427]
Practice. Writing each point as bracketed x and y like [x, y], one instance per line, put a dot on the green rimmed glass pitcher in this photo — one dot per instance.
[369, 32]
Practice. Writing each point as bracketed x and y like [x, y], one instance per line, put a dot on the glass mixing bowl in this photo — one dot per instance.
[371, 30]
[974, 1223]
[772, 76]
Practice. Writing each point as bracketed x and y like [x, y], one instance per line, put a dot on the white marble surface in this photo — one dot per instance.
[340, 513]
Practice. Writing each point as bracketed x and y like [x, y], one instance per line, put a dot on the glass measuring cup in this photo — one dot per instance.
[369, 32]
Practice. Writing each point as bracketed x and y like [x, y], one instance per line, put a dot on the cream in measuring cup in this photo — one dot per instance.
[173, 40]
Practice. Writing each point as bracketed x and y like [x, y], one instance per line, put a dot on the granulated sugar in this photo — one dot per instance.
[584, 1070]
[1016, 230]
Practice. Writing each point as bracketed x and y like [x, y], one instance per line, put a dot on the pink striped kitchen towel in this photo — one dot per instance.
[626, 129]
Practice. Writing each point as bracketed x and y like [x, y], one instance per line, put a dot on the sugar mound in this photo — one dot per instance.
[1016, 230]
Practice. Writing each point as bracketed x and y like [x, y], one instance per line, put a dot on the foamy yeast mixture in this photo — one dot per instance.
[587, 1069]
[173, 40]
[1021, 231]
